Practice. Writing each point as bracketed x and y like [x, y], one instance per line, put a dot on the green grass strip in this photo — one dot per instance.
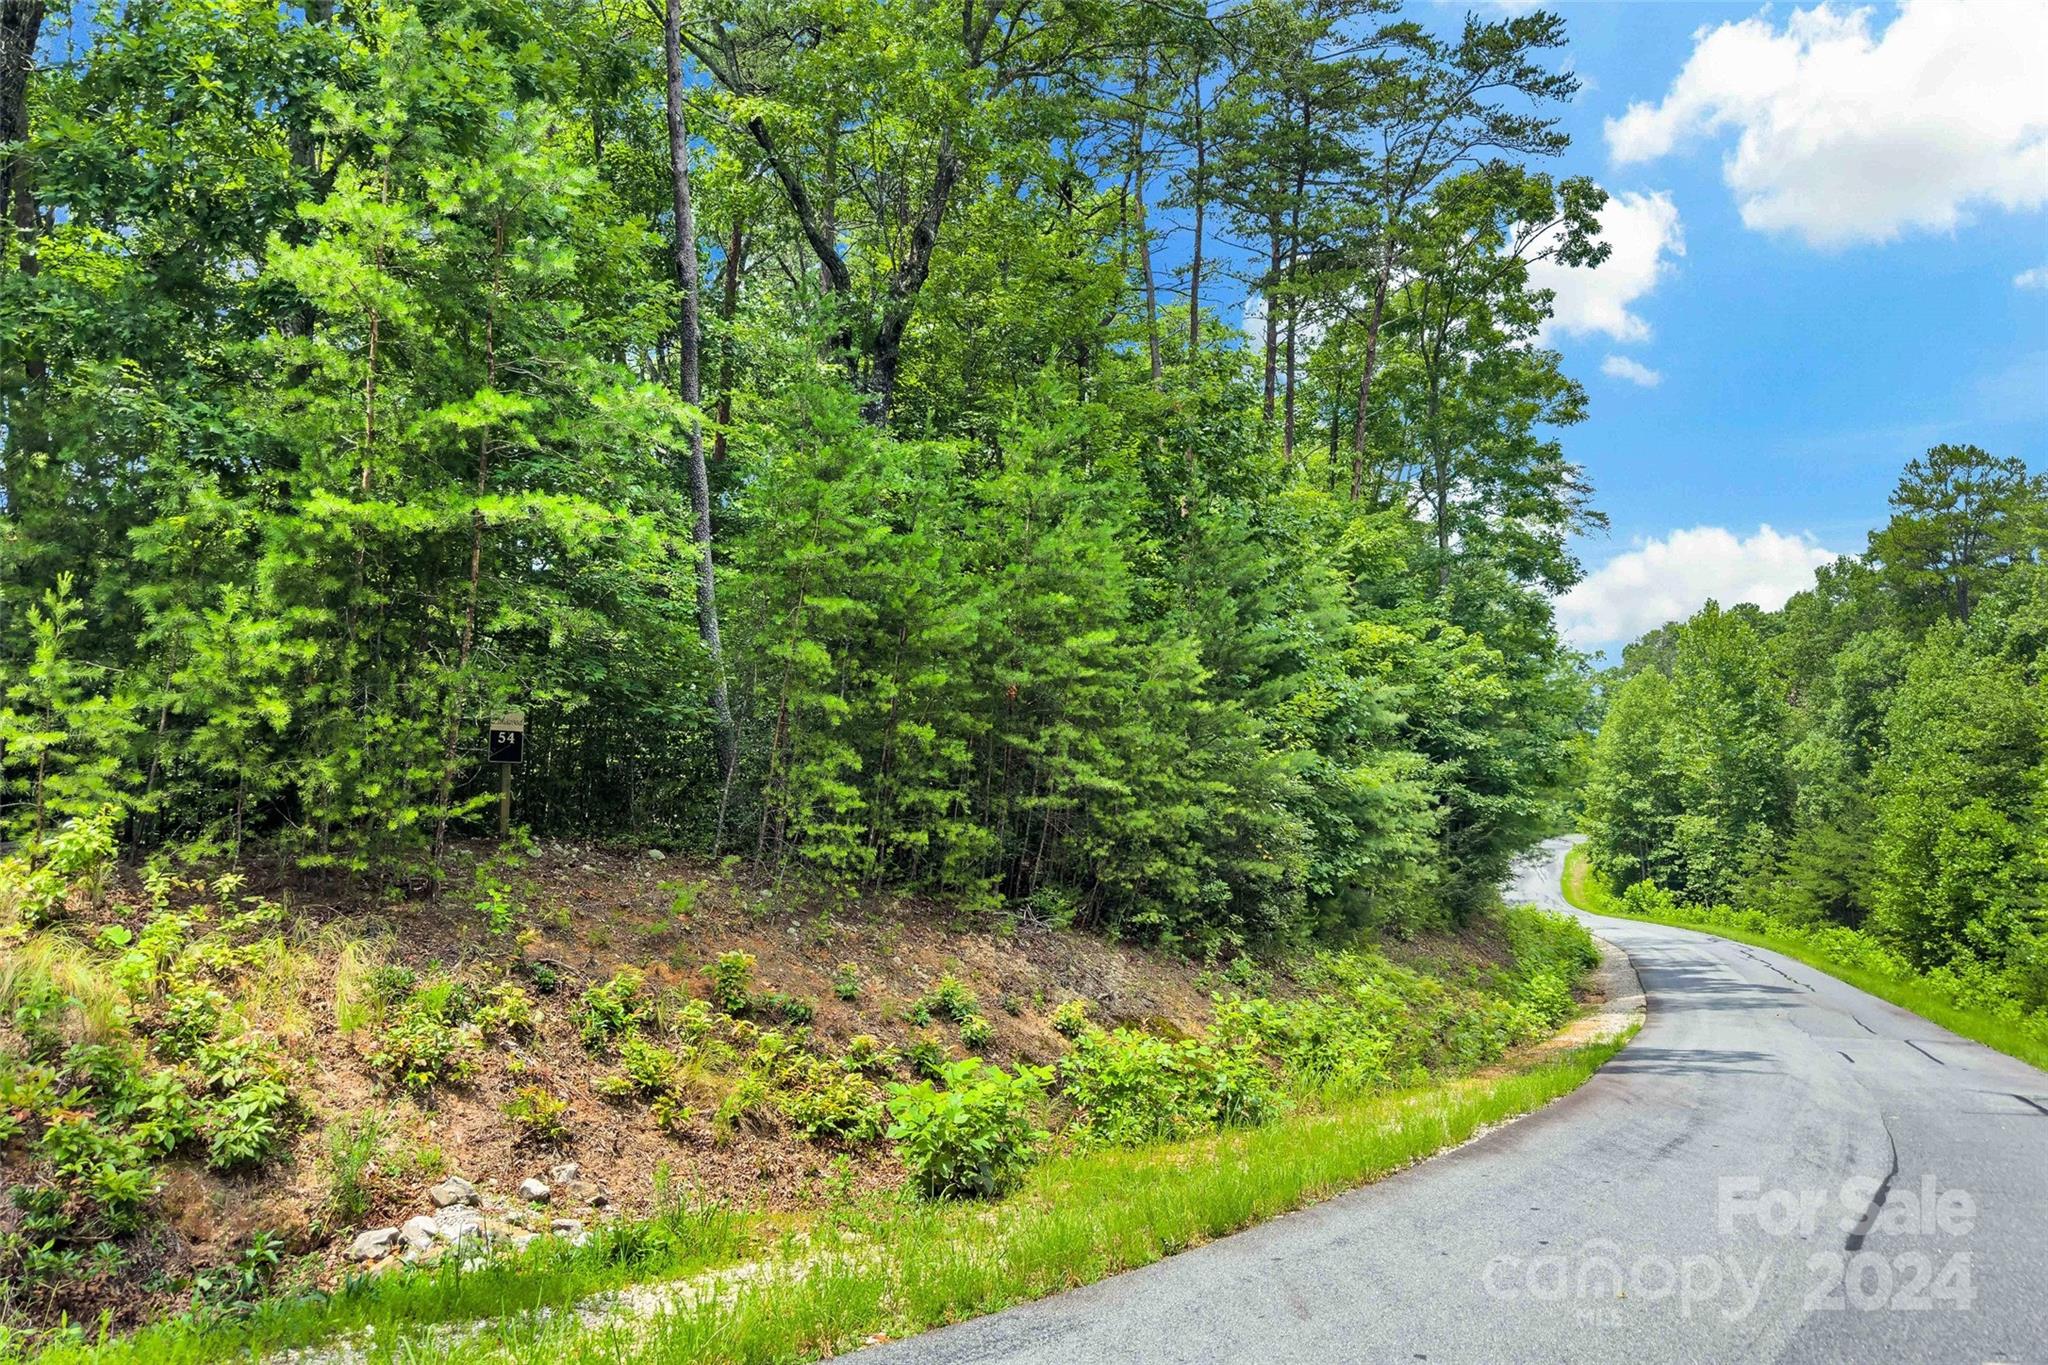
[1583, 888]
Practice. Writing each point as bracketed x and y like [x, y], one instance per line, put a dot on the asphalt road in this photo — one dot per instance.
[1778, 1168]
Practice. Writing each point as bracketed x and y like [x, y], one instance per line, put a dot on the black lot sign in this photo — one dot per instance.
[508, 738]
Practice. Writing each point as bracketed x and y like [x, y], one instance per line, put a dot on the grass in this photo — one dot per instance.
[891, 1267]
[1583, 888]
[380, 1309]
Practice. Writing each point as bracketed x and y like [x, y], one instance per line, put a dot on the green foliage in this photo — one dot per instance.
[926, 1059]
[1132, 1088]
[1069, 1017]
[353, 372]
[976, 1033]
[793, 1010]
[611, 1009]
[865, 1054]
[427, 1042]
[354, 1143]
[846, 981]
[1869, 757]
[974, 1137]
[732, 982]
[951, 999]
[540, 1116]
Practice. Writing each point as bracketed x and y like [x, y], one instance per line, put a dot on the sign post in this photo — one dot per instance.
[508, 746]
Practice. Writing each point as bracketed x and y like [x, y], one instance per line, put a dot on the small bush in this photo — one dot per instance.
[975, 1137]
[1069, 1018]
[425, 1043]
[1648, 898]
[1132, 1088]
[926, 1059]
[506, 1010]
[846, 981]
[539, 1115]
[732, 981]
[866, 1055]
[951, 999]
[976, 1033]
[649, 1068]
[834, 1105]
[793, 1010]
[611, 1008]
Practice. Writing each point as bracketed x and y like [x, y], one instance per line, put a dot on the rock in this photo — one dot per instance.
[419, 1233]
[453, 1190]
[567, 1227]
[600, 1200]
[522, 1240]
[536, 1190]
[656, 854]
[568, 1173]
[368, 1246]
[457, 1223]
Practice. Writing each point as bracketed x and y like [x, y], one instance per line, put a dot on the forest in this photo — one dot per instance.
[1092, 458]
[1868, 758]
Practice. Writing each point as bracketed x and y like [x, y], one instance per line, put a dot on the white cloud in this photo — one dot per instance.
[1845, 135]
[2037, 278]
[1670, 579]
[1644, 232]
[1634, 371]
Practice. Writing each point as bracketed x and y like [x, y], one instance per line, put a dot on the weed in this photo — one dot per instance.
[976, 1033]
[1069, 1018]
[732, 977]
[611, 1008]
[539, 1115]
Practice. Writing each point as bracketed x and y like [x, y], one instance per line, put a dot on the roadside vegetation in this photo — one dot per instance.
[715, 1287]
[170, 1047]
[1941, 997]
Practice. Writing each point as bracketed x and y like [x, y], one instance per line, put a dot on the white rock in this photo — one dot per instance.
[458, 1223]
[453, 1190]
[567, 1227]
[568, 1173]
[536, 1190]
[419, 1233]
[368, 1246]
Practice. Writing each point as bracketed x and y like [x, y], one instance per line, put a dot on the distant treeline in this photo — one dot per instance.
[1871, 755]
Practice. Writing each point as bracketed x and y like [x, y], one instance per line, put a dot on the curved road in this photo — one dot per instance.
[1778, 1168]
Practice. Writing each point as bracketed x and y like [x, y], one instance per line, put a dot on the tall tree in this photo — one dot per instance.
[689, 365]
[1439, 107]
[1960, 517]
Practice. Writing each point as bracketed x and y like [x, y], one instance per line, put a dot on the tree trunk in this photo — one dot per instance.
[689, 346]
[1144, 237]
[1293, 273]
[1201, 206]
[1372, 349]
[728, 309]
[21, 25]
[1272, 326]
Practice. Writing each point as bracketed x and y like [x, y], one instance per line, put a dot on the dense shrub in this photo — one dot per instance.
[973, 1136]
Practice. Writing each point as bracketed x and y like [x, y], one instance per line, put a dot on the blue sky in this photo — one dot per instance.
[1859, 199]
